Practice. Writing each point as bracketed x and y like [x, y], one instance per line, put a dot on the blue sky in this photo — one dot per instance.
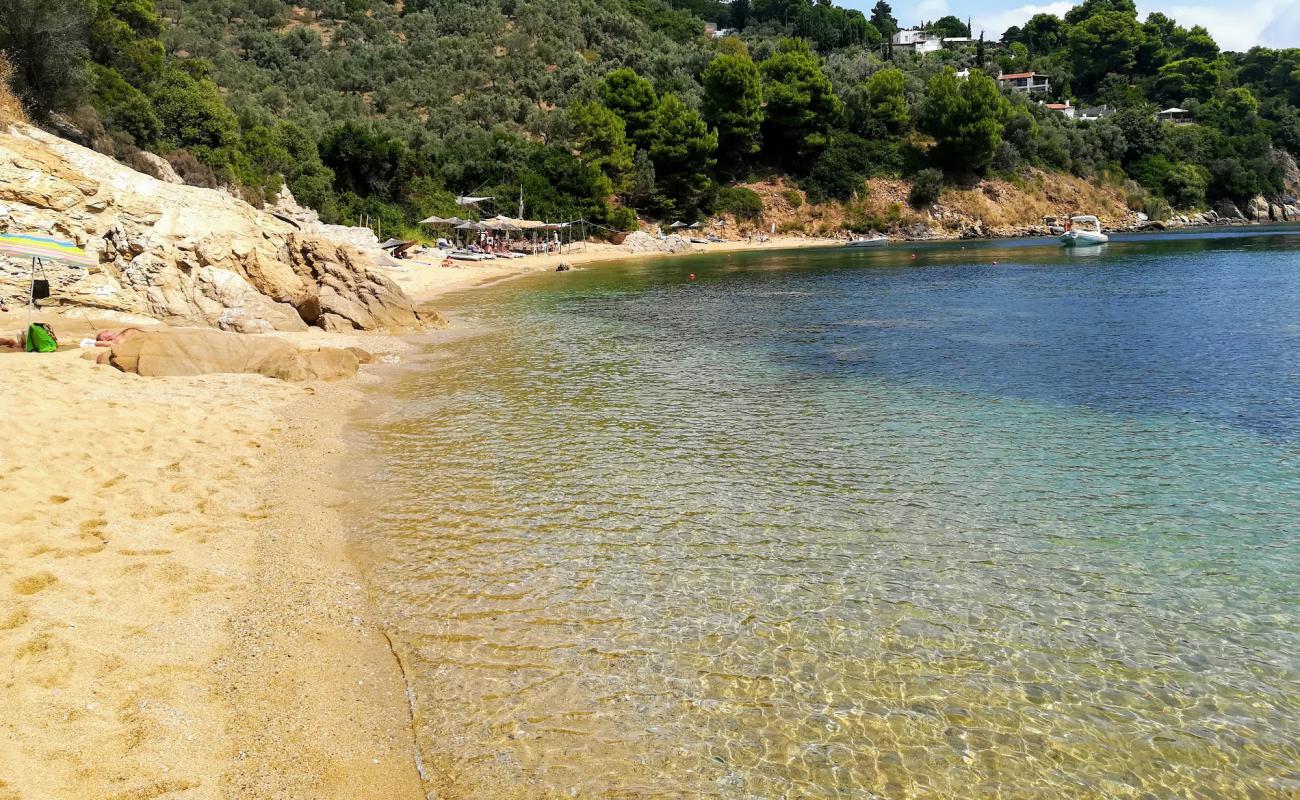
[1235, 25]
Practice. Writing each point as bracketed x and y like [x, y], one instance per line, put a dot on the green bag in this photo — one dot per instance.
[40, 339]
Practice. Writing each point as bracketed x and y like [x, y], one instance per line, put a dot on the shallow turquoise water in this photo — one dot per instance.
[838, 524]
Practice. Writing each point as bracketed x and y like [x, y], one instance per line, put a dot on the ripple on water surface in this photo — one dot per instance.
[821, 526]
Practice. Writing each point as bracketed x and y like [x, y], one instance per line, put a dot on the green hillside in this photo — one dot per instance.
[597, 108]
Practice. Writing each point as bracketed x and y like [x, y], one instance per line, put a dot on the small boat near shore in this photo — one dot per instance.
[1086, 237]
[868, 241]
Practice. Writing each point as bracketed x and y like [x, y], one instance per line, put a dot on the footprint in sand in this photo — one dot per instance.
[14, 619]
[47, 660]
[34, 583]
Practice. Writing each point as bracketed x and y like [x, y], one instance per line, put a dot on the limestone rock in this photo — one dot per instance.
[202, 352]
[182, 253]
[642, 242]
[162, 168]
[1229, 213]
[333, 323]
[1258, 208]
[431, 317]
[286, 207]
[363, 356]
[347, 284]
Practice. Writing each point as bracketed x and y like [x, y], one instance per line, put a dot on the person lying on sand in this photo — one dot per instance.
[19, 342]
[108, 338]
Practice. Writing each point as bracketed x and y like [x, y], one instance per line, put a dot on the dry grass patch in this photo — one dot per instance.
[11, 110]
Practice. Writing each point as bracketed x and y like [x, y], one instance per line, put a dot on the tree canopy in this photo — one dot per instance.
[597, 107]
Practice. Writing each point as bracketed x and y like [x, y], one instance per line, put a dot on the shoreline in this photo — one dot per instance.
[425, 281]
[183, 605]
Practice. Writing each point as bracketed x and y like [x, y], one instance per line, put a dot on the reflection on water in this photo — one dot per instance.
[826, 526]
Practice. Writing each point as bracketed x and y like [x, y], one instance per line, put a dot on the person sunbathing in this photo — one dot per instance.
[20, 341]
[109, 338]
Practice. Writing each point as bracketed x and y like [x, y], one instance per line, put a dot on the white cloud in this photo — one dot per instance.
[993, 23]
[929, 10]
[1234, 27]
[1284, 30]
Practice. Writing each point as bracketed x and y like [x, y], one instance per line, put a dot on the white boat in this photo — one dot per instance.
[1076, 237]
[868, 241]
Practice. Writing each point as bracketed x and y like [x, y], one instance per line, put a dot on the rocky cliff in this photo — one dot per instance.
[183, 254]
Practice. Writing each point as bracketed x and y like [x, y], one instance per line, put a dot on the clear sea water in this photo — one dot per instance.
[834, 524]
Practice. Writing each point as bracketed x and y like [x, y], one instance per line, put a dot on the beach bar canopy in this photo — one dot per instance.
[436, 220]
[46, 249]
[499, 223]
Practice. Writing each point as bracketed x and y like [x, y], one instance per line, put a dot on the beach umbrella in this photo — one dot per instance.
[471, 226]
[436, 220]
[44, 248]
[499, 223]
[693, 225]
[41, 249]
[678, 224]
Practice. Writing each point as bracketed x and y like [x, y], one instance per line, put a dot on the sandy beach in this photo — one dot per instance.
[426, 279]
[178, 613]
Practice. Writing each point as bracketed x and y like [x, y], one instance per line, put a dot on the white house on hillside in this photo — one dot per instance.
[917, 40]
[922, 41]
[1065, 108]
[1026, 82]
[1174, 115]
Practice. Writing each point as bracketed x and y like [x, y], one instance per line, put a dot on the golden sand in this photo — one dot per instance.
[425, 280]
[178, 615]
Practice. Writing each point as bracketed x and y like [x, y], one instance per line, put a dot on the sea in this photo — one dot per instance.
[951, 520]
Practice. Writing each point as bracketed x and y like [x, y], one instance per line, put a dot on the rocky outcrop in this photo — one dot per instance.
[286, 207]
[643, 243]
[182, 253]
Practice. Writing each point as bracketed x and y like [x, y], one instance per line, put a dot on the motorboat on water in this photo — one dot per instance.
[1084, 237]
[868, 241]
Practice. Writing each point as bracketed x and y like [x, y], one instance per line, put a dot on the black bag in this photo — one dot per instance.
[40, 289]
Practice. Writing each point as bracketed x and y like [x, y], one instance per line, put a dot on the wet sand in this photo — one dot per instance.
[179, 616]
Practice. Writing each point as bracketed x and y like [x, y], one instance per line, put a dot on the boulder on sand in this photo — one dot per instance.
[642, 242]
[204, 352]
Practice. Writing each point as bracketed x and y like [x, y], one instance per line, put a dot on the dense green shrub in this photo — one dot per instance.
[927, 185]
[742, 203]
